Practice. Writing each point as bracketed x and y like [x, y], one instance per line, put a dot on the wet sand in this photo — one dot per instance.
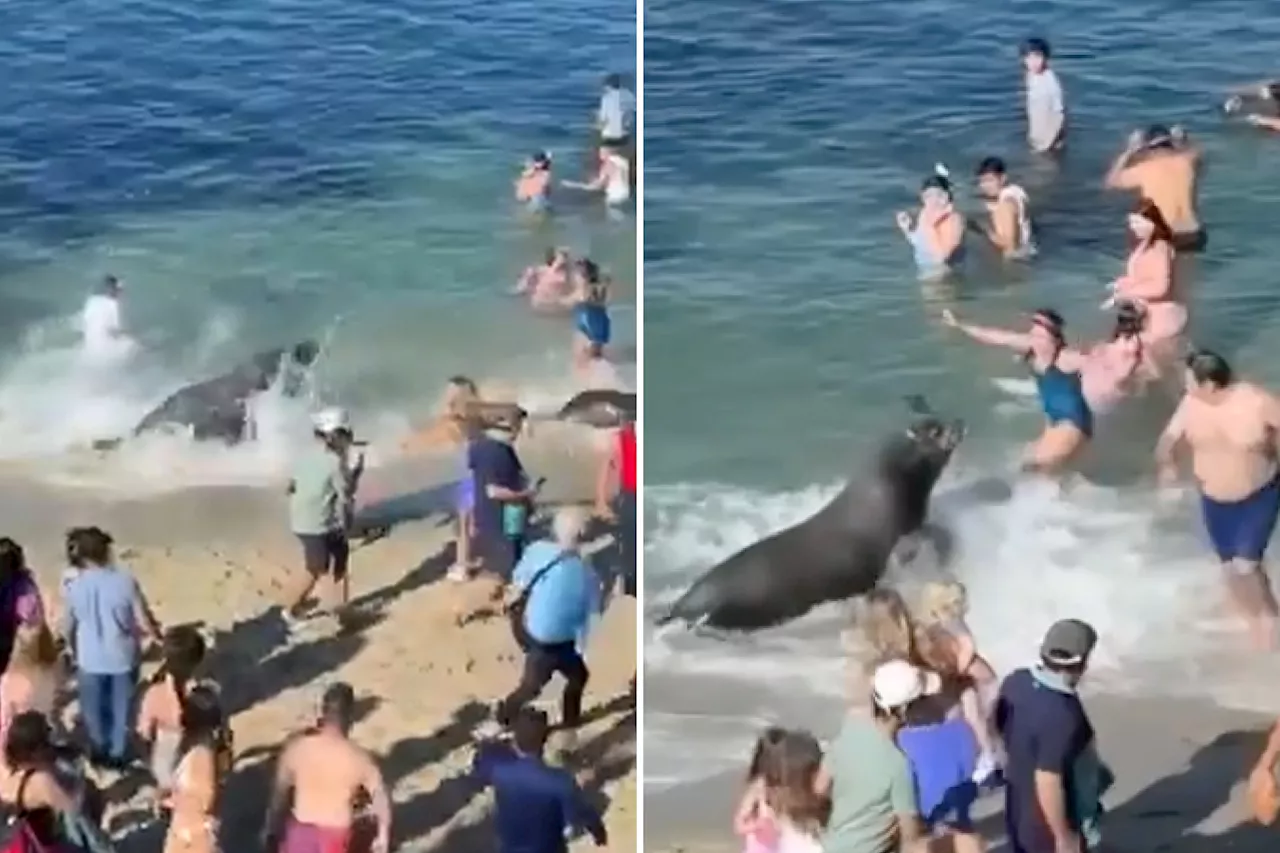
[219, 556]
[1180, 768]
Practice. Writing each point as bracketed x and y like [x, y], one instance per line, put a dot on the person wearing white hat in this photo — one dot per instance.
[321, 507]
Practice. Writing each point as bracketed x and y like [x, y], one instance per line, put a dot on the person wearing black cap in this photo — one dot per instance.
[1229, 427]
[1046, 108]
[536, 804]
[327, 773]
[1051, 765]
[1162, 165]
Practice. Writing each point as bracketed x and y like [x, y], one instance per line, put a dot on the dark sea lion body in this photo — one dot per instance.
[217, 409]
[605, 408]
[839, 553]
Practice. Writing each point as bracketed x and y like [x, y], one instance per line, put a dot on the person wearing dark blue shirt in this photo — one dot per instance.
[501, 491]
[1053, 777]
[536, 805]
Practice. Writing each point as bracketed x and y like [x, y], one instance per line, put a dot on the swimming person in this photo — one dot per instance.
[1230, 428]
[1162, 165]
[1046, 107]
[613, 177]
[936, 232]
[547, 284]
[533, 187]
[1258, 104]
[1148, 278]
[1056, 368]
[1008, 204]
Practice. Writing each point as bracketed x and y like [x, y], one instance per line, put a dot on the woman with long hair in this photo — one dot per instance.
[1148, 278]
[204, 758]
[160, 711]
[33, 677]
[20, 602]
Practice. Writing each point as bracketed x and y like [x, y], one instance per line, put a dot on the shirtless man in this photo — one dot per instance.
[1231, 429]
[1162, 165]
[326, 773]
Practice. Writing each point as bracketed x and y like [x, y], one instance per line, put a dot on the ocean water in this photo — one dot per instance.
[784, 323]
[261, 173]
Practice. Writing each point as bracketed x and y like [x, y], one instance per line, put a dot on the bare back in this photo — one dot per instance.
[1232, 442]
[328, 773]
[1169, 179]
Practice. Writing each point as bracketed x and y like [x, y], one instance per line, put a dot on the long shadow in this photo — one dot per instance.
[1161, 816]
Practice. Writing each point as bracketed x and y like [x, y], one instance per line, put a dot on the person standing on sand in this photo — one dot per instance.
[20, 602]
[322, 496]
[1230, 427]
[1054, 779]
[326, 773]
[501, 491]
[105, 614]
[203, 760]
[1046, 107]
[552, 599]
[536, 805]
[1161, 164]
[160, 711]
[616, 498]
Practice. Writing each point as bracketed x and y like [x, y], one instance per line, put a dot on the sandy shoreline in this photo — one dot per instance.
[219, 556]
[1180, 768]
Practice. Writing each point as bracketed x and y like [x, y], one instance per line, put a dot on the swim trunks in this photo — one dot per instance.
[1189, 242]
[309, 838]
[592, 321]
[1241, 530]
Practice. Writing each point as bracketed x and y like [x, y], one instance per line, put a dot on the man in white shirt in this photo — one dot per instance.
[616, 113]
[100, 323]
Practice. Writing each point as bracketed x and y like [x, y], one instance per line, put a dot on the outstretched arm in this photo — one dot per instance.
[989, 335]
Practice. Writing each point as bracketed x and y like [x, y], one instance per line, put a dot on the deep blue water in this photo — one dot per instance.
[784, 321]
[258, 172]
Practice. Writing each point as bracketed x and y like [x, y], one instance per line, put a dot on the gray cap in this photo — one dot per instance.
[1068, 642]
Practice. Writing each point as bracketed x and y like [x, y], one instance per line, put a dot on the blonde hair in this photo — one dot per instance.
[942, 602]
[35, 648]
[886, 628]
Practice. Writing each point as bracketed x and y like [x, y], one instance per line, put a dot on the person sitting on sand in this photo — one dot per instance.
[533, 187]
[326, 772]
[612, 177]
[203, 760]
[536, 806]
[548, 284]
[160, 711]
[105, 616]
[781, 810]
[1162, 165]
[20, 602]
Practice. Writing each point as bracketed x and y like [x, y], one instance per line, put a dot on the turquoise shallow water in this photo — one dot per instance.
[783, 320]
[262, 172]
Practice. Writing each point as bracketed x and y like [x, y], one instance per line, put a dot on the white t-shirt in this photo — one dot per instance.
[1045, 106]
[100, 320]
[616, 109]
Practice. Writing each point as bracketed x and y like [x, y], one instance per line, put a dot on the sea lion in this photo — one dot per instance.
[840, 552]
[601, 407]
[216, 409]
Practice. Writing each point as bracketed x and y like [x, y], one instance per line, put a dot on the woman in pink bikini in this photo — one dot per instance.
[1148, 280]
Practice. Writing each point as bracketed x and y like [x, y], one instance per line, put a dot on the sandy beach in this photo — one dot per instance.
[219, 556]
[1180, 768]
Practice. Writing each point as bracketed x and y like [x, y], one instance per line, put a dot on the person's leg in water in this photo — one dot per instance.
[1057, 446]
[1239, 532]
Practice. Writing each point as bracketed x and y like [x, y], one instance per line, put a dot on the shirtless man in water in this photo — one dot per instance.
[327, 773]
[1162, 165]
[1231, 429]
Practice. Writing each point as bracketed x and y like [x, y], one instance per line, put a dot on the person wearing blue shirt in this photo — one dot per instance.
[536, 805]
[104, 615]
[501, 491]
[553, 597]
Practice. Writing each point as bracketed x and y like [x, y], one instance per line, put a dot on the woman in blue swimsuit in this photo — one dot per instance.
[1056, 370]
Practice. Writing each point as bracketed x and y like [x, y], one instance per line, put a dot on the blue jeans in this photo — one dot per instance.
[106, 705]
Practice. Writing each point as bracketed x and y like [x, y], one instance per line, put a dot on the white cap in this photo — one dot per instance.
[330, 420]
[897, 683]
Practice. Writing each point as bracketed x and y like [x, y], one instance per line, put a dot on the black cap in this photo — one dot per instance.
[1035, 45]
[1068, 642]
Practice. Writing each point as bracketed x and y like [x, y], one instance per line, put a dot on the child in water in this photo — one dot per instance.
[779, 811]
[533, 187]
